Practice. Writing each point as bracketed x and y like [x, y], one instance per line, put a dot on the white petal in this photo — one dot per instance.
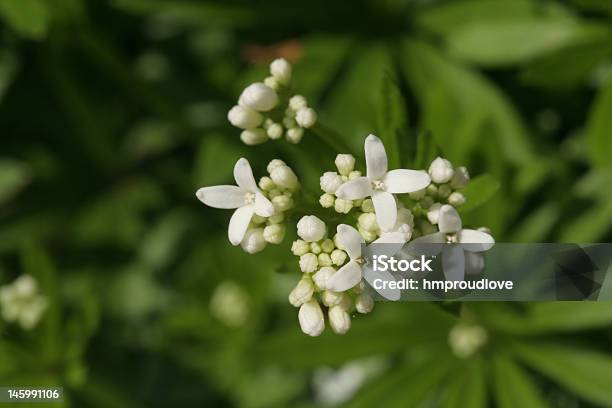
[355, 189]
[474, 263]
[405, 181]
[453, 263]
[385, 208]
[475, 241]
[427, 245]
[350, 240]
[244, 175]
[370, 275]
[239, 223]
[391, 238]
[263, 206]
[376, 158]
[449, 221]
[346, 277]
[221, 196]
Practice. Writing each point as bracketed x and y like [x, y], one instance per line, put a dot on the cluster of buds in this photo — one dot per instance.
[321, 259]
[22, 302]
[261, 209]
[330, 181]
[268, 110]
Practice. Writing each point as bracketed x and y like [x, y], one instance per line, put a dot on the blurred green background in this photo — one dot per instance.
[112, 114]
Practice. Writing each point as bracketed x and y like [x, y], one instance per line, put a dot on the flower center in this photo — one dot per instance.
[249, 198]
[452, 238]
[378, 185]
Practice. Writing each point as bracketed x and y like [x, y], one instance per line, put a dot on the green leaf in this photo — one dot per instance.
[14, 175]
[426, 150]
[512, 386]
[467, 386]
[590, 225]
[537, 225]
[583, 371]
[599, 128]
[478, 191]
[30, 18]
[392, 120]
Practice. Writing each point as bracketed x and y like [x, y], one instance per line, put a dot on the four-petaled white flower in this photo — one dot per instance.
[350, 274]
[381, 184]
[246, 198]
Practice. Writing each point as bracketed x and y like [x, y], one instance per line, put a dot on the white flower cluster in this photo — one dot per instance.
[331, 277]
[21, 302]
[267, 111]
[260, 216]
[330, 182]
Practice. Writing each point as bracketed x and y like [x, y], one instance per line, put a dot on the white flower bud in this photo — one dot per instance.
[320, 278]
[302, 293]
[354, 174]
[282, 203]
[281, 70]
[449, 221]
[444, 190]
[330, 181]
[285, 177]
[306, 117]
[330, 298]
[276, 218]
[244, 118]
[294, 135]
[339, 320]
[417, 195]
[274, 233]
[368, 236]
[327, 246]
[253, 241]
[310, 228]
[338, 257]
[272, 83]
[275, 192]
[367, 221]
[275, 131]
[266, 183]
[433, 212]
[253, 136]
[343, 206]
[456, 199]
[259, 97]
[364, 303]
[327, 200]
[300, 247]
[345, 163]
[324, 259]
[274, 164]
[308, 263]
[367, 205]
[315, 248]
[441, 170]
[485, 230]
[297, 102]
[461, 178]
[311, 318]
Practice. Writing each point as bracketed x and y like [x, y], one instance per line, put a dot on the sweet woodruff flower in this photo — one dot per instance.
[246, 198]
[21, 302]
[381, 184]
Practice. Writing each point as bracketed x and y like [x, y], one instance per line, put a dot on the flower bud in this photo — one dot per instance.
[306, 117]
[259, 97]
[461, 178]
[300, 247]
[310, 228]
[367, 221]
[456, 199]
[343, 206]
[320, 278]
[311, 318]
[327, 246]
[339, 320]
[253, 137]
[368, 236]
[330, 181]
[354, 174]
[345, 163]
[281, 70]
[302, 293]
[367, 205]
[405, 230]
[364, 303]
[274, 233]
[266, 183]
[294, 135]
[253, 241]
[324, 259]
[485, 230]
[449, 221]
[275, 131]
[433, 212]
[327, 200]
[276, 218]
[308, 263]
[315, 248]
[338, 257]
[285, 177]
[441, 170]
[297, 102]
[282, 203]
[330, 298]
[274, 164]
[272, 83]
[244, 118]
[275, 192]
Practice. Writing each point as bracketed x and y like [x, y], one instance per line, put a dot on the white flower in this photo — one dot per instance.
[306, 117]
[274, 233]
[311, 318]
[281, 70]
[339, 319]
[259, 97]
[456, 199]
[302, 293]
[320, 278]
[345, 163]
[461, 178]
[350, 274]
[244, 118]
[441, 170]
[253, 136]
[381, 184]
[297, 102]
[300, 247]
[285, 177]
[310, 228]
[309, 263]
[330, 181]
[295, 134]
[246, 198]
[364, 303]
[253, 241]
